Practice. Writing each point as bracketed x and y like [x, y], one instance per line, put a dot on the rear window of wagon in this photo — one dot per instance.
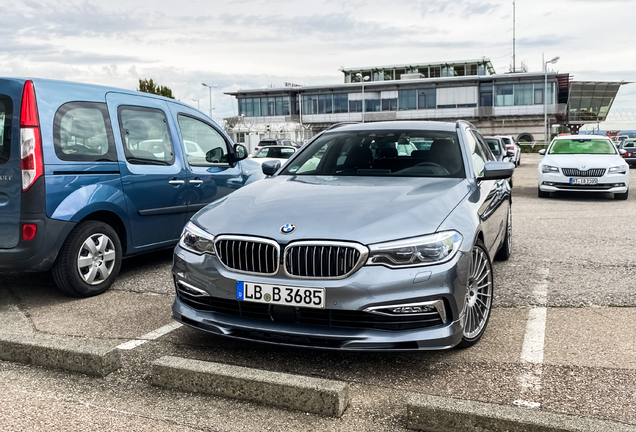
[6, 114]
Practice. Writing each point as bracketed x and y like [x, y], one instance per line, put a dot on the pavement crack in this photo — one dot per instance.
[22, 309]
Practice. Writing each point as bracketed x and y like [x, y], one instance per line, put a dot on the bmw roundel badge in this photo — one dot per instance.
[287, 228]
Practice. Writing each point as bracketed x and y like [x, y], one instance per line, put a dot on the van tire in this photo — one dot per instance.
[90, 242]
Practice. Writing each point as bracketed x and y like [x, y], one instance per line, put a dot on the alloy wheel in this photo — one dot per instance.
[478, 295]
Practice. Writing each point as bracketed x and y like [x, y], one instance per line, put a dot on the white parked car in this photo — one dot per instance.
[583, 163]
[512, 146]
[273, 152]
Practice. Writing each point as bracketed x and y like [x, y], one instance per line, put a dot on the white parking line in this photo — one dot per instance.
[155, 334]
[533, 345]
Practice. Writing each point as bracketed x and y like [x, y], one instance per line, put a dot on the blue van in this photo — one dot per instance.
[90, 174]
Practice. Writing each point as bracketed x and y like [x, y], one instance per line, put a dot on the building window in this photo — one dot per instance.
[504, 95]
[388, 75]
[271, 106]
[435, 71]
[340, 103]
[372, 105]
[407, 100]
[523, 94]
[399, 73]
[538, 96]
[389, 104]
[355, 106]
[426, 99]
[460, 70]
[471, 69]
[240, 137]
[448, 71]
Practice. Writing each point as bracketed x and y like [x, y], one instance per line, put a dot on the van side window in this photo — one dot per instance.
[146, 136]
[204, 145]
[6, 113]
[82, 132]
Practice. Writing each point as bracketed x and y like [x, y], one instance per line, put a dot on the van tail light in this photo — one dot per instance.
[30, 138]
[29, 231]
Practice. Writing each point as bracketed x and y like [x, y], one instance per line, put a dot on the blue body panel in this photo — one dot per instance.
[146, 202]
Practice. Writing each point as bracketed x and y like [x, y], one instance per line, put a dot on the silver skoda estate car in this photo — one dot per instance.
[361, 241]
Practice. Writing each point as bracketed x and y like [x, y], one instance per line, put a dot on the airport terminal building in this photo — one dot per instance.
[498, 104]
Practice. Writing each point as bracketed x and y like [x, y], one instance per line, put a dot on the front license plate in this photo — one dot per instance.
[282, 295]
[584, 181]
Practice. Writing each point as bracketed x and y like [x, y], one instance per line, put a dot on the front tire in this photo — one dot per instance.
[89, 260]
[543, 194]
[478, 300]
[621, 196]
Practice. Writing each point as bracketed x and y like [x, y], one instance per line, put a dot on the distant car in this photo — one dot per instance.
[500, 151]
[630, 151]
[512, 146]
[280, 142]
[274, 152]
[583, 163]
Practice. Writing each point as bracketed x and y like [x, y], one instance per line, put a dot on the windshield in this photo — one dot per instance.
[494, 146]
[381, 153]
[582, 146]
[274, 152]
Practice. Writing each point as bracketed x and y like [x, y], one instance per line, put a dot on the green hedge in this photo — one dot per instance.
[532, 148]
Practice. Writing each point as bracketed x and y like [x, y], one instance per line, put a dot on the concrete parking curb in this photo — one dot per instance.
[435, 414]
[91, 357]
[316, 395]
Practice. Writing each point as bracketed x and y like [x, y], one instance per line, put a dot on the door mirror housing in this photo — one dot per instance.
[240, 153]
[510, 154]
[270, 167]
[622, 151]
[495, 170]
[542, 152]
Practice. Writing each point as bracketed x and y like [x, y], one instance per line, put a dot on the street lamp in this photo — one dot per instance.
[545, 99]
[210, 87]
[197, 101]
[363, 79]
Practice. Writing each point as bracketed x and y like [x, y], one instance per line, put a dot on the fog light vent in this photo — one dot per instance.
[435, 307]
[412, 309]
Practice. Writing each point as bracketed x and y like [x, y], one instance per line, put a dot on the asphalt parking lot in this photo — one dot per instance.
[561, 339]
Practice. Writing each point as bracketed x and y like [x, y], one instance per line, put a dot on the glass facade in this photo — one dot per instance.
[521, 94]
[265, 106]
[591, 101]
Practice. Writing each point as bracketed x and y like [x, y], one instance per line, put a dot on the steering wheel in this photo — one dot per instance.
[436, 166]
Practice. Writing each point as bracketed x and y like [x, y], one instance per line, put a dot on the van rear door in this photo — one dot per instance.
[10, 168]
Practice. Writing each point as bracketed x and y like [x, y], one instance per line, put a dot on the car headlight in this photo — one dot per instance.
[617, 170]
[196, 240]
[418, 251]
[549, 169]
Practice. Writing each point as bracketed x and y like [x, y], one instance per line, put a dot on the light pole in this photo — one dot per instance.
[197, 101]
[363, 79]
[545, 98]
[210, 87]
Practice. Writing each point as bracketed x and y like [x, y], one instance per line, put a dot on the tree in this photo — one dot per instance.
[149, 86]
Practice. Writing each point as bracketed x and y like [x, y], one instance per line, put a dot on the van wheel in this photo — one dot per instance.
[89, 261]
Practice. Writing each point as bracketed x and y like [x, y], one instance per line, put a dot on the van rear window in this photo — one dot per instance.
[6, 113]
[82, 132]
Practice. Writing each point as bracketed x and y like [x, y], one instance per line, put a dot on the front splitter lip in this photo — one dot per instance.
[441, 337]
[546, 188]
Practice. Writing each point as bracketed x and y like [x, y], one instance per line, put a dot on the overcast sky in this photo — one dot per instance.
[258, 43]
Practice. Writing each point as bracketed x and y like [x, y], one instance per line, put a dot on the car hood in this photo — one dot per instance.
[582, 160]
[362, 209]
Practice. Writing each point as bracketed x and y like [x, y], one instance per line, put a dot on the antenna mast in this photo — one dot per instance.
[513, 36]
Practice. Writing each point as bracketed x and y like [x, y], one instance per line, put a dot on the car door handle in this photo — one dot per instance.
[196, 182]
[176, 182]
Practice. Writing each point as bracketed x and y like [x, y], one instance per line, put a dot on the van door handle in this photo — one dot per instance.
[196, 182]
[176, 182]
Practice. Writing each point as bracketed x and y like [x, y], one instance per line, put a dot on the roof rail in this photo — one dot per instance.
[337, 125]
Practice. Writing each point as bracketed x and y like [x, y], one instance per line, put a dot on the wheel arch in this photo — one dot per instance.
[114, 221]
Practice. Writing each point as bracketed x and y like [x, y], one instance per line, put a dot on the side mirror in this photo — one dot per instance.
[270, 167]
[622, 151]
[495, 170]
[542, 152]
[510, 153]
[215, 155]
[240, 153]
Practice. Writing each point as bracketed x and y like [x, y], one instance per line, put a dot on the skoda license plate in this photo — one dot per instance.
[281, 295]
[583, 181]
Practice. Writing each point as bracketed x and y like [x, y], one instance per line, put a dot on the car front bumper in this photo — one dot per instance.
[612, 183]
[368, 287]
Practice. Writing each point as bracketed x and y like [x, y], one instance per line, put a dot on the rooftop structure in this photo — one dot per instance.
[504, 104]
